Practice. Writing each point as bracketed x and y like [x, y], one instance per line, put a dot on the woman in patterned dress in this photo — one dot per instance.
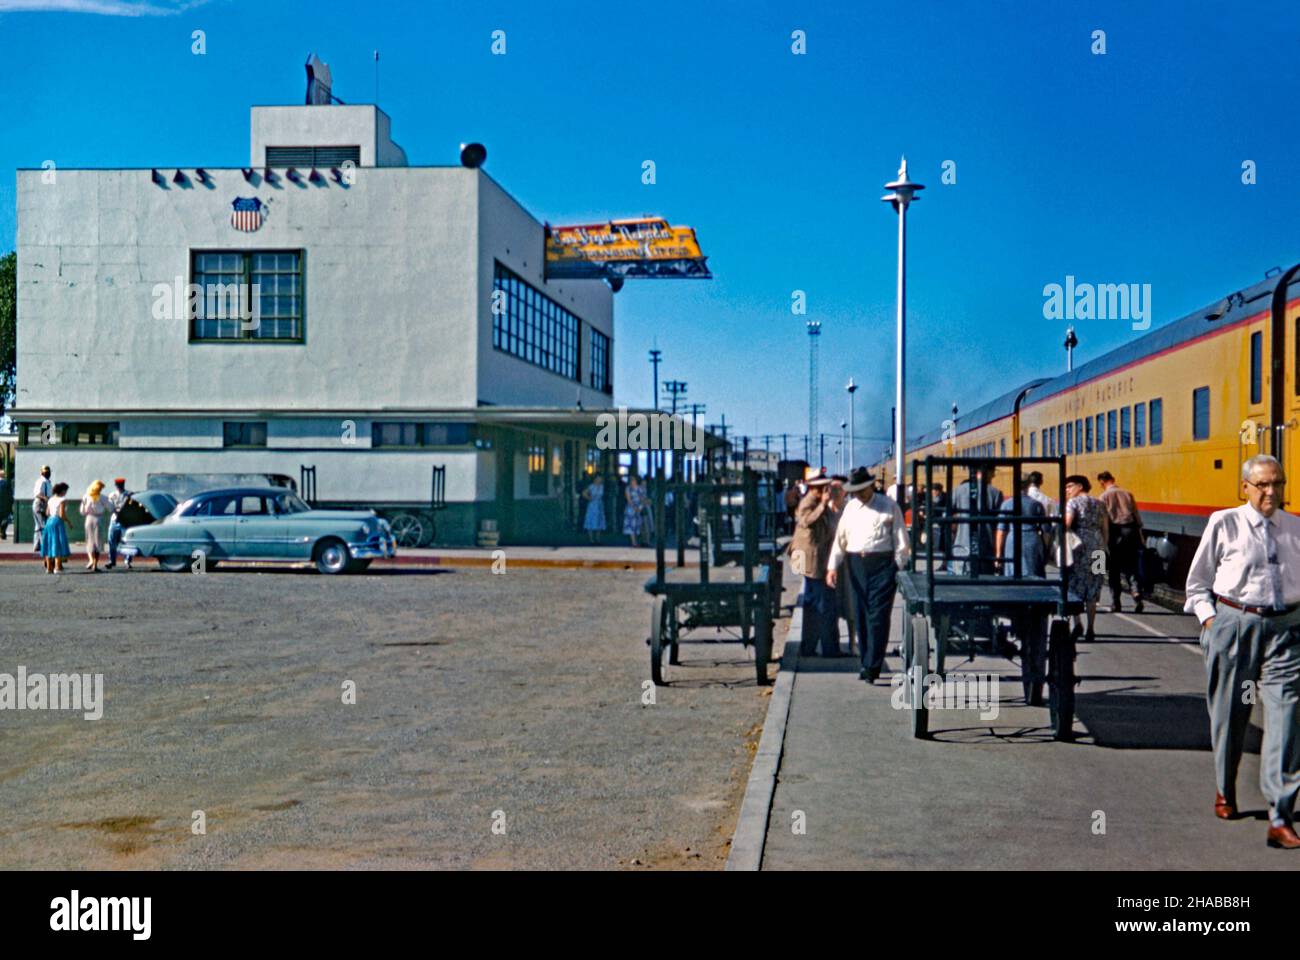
[594, 519]
[1086, 518]
[632, 515]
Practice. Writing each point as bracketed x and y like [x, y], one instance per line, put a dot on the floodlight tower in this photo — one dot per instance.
[814, 337]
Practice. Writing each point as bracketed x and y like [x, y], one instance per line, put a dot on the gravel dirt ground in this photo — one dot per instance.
[481, 699]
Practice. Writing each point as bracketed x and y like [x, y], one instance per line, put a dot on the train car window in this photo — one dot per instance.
[1069, 438]
[1004, 447]
[1078, 436]
[1125, 437]
[1101, 433]
[1110, 430]
[1257, 367]
[1087, 435]
[1139, 424]
[1033, 438]
[1060, 440]
[1201, 413]
[1157, 431]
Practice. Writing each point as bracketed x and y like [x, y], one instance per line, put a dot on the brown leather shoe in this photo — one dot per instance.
[1283, 837]
[1226, 809]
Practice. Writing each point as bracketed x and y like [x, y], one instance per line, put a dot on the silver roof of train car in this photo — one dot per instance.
[995, 409]
[1229, 310]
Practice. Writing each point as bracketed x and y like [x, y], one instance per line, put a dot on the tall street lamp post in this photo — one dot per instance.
[901, 193]
[851, 388]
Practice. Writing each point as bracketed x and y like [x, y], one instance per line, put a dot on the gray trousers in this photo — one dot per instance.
[1251, 659]
[38, 518]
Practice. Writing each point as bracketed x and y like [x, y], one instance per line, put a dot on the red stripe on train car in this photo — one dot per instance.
[1192, 509]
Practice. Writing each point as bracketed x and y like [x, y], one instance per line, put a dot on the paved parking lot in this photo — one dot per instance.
[481, 699]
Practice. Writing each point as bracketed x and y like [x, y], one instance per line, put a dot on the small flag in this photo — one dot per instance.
[247, 214]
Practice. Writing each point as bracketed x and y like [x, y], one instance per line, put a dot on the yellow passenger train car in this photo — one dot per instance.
[1171, 414]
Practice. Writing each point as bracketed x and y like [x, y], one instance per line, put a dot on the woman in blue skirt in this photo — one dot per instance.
[54, 539]
[594, 519]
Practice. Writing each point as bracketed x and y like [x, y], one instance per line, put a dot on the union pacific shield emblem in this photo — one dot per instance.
[247, 214]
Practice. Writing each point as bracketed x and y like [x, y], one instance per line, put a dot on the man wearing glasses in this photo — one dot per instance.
[1244, 587]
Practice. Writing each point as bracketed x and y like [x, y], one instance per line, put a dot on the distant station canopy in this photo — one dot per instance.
[318, 83]
[624, 249]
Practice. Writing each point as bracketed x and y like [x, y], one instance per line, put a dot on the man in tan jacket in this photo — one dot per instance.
[809, 552]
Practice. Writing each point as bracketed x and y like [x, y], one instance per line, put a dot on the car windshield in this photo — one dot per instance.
[290, 503]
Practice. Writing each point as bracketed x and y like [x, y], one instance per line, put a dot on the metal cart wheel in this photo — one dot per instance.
[918, 665]
[661, 638]
[906, 653]
[1031, 657]
[409, 529]
[775, 573]
[762, 647]
[1060, 654]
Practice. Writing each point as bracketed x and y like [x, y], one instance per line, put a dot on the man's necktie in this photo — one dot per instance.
[1274, 568]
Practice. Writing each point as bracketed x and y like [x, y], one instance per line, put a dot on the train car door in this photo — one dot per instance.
[1258, 396]
[1284, 428]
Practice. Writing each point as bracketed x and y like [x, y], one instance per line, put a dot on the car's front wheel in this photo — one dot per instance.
[174, 564]
[332, 556]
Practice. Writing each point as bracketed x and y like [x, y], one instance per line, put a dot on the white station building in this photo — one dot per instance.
[402, 323]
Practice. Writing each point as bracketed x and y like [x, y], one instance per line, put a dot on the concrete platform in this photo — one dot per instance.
[855, 790]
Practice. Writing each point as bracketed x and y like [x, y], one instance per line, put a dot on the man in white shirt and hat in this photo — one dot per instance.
[871, 538]
[40, 500]
[1244, 587]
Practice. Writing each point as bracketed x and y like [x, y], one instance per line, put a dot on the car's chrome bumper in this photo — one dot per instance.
[381, 545]
[128, 551]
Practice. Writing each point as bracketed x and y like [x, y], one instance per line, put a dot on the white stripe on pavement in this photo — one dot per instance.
[1182, 644]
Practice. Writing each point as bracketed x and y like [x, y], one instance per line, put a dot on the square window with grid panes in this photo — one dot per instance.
[531, 326]
[230, 280]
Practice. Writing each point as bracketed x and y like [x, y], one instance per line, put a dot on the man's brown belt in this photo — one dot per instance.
[1258, 611]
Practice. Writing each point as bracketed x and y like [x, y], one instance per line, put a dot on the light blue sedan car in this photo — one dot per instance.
[263, 524]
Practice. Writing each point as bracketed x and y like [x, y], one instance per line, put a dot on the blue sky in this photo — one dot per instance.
[1119, 168]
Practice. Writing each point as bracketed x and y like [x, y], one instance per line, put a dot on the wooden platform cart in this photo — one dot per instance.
[696, 597]
[946, 596]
